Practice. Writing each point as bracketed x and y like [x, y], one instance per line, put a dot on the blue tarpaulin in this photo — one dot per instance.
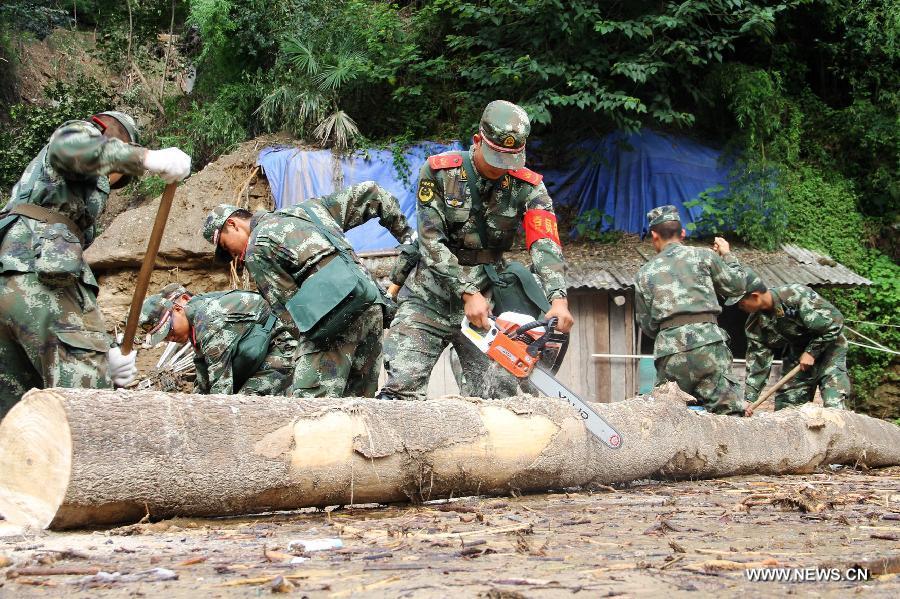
[295, 175]
[622, 175]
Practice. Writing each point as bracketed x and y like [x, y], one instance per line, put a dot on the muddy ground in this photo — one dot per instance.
[648, 538]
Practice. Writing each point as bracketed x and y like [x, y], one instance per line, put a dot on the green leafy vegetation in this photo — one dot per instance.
[754, 207]
[8, 61]
[595, 225]
[34, 17]
[814, 135]
[32, 124]
[824, 217]
[804, 95]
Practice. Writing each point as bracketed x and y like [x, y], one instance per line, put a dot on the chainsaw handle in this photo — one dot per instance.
[537, 346]
[551, 325]
[535, 324]
[482, 341]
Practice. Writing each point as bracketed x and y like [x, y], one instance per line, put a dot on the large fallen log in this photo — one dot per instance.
[72, 458]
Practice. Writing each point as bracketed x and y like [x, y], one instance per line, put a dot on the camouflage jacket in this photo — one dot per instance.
[802, 321]
[69, 176]
[447, 225]
[682, 280]
[285, 246]
[218, 322]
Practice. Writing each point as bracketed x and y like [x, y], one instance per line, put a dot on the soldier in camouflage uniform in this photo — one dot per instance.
[675, 303]
[51, 331]
[458, 235]
[282, 248]
[809, 331]
[220, 327]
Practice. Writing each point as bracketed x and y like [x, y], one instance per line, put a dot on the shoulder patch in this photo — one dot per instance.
[442, 161]
[426, 190]
[527, 175]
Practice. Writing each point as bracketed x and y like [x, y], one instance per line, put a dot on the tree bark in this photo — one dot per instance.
[73, 458]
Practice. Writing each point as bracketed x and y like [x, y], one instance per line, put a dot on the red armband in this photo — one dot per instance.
[540, 224]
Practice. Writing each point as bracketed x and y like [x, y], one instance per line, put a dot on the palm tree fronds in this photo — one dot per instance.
[339, 127]
[300, 54]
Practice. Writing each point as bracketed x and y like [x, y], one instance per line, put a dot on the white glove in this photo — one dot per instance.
[122, 369]
[170, 163]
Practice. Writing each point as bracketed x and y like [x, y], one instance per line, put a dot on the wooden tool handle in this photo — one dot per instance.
[143, 280]
[771, 390]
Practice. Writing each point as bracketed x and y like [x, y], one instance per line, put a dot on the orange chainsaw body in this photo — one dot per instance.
[513, 354]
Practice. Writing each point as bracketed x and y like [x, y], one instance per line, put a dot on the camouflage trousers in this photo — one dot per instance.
[276, 374]
[705, 373]
[348, 366]
[829, 374]
[419, 333]
[49, 337]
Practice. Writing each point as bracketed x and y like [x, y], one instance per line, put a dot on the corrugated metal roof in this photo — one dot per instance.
[612, 267]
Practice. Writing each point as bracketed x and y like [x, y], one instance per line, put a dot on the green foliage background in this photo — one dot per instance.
[804, 95]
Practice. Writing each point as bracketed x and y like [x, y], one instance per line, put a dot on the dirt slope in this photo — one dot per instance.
[123, 243]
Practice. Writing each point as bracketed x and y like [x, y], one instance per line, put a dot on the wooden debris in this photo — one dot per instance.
[671, 562]
[282, 585]
[879, 566]
[379, 555]
[481, 532]
[614, 568]
[61, 571]
[36, 582]
[524, 581]
[724, 565]
[277, 556]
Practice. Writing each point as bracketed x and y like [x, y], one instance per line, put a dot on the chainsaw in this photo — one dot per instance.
[516, 342]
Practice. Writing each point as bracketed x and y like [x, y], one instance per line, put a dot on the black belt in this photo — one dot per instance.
[476, 257]
[683, 319]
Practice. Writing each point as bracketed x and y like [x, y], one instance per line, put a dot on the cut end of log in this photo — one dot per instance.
[35, 433]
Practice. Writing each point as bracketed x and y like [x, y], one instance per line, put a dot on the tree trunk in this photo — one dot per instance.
[72, 458]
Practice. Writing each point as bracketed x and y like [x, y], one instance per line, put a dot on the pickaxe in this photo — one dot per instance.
[771, 390]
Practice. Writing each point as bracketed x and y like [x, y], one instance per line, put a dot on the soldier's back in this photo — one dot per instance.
[292, 238]
[218, 308]
[678, 280]
[797, 308]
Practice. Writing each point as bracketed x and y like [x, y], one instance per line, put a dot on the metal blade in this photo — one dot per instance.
[549, 386]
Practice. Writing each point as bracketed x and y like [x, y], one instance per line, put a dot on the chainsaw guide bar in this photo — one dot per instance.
[516, 342]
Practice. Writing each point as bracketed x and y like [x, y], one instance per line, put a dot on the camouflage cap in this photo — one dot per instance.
[173, 291]
[504, 129]
[213, 226]
[752, 284]
[156, 318]
[126, 121]
[662, 214]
